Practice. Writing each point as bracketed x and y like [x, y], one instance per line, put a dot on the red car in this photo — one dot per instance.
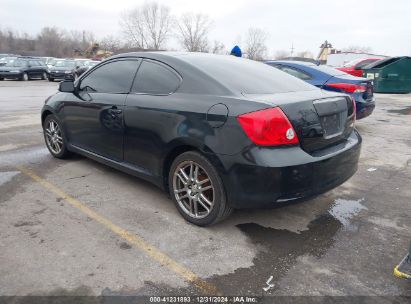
[355, 67]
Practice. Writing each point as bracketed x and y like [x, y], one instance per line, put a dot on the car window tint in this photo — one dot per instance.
[113, 77]
[155, 78]
[33, 63]
[245, 75]
[364, 63]
[296, 73]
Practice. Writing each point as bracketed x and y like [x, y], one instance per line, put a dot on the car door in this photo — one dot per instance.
[35, 69]
[93, 115]
[149, 114]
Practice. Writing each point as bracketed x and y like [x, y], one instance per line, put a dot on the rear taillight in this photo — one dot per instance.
[269, 127]
[347, 87]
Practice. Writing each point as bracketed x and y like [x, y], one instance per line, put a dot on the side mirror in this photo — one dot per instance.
[66, 86]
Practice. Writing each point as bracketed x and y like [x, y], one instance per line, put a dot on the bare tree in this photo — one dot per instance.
[147, 26]
[256, 43]
[50, 40]
[193, 32]
[110, 43]
[281, 54]
[305, 54]
[218, 47]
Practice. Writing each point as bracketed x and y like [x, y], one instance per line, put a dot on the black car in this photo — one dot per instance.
[23, 68]
[63, 69]
[217, 132]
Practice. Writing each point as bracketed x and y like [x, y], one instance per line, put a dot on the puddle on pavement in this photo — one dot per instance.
[344, 210]
[405, 111]
[278, 252]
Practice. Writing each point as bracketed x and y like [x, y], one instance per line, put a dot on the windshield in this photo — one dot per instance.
[65, 64]
[352, 62]
[18, 63]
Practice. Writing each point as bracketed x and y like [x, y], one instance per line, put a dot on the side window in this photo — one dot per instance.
[296, 73]
[155, 78]
[113, 77]
[363, 64]
[33, 63]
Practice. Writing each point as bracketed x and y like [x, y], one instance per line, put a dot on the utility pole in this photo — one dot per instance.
[292, 49]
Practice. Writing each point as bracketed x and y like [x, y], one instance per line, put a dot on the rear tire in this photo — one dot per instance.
[25, 77]
[199, 193]
[44, 76]
[54, 137]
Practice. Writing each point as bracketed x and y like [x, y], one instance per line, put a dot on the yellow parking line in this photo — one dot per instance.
[132, 238]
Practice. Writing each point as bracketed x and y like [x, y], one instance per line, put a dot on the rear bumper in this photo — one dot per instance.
[364, 106]
[266, 177]
[364, 109]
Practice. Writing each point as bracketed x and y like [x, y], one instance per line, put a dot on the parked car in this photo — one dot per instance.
[49, 61]
[330, 79]
[23, 68]
[81, 69]
[355, 67]
[217, 132]
[63, 69]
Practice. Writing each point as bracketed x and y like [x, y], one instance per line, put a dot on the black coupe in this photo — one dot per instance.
[217, 132]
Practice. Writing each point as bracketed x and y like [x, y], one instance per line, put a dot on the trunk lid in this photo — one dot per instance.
[320, 119]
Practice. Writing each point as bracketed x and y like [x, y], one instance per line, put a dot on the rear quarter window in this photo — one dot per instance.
[155, 78]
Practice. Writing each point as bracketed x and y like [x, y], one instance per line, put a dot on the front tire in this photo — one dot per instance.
[197, 190]
[44, 76]
[25, 77]
[54, 137]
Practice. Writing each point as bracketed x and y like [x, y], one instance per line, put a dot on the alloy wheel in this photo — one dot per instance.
[54, 137]
[193, 189]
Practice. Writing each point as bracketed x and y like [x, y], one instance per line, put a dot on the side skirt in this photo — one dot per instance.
[121, 166]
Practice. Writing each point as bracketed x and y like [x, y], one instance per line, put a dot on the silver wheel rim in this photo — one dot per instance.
[193, 189]
[54, 139]
[44, 76]
[25, 77]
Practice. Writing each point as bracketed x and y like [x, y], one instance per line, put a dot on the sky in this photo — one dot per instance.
[382, 25]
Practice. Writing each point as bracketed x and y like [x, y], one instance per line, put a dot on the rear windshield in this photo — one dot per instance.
[247, 76]
[382, 63]
[329, 70]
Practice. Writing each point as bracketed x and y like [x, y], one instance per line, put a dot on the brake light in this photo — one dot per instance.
[269, 127]
[348, 87]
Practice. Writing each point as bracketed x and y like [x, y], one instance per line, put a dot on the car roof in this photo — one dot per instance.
[216, 74]
[306, 63]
